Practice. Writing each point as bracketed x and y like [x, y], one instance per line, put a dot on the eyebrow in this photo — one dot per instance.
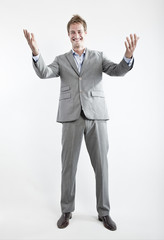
[75, 30]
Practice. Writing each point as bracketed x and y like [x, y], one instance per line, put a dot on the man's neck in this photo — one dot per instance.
[79, 51]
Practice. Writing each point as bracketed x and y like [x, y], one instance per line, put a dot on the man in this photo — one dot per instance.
[82, 111]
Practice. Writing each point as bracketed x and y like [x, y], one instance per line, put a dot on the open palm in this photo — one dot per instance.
[32, 42]
[130, 45]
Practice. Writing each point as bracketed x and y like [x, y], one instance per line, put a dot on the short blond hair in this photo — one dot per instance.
[77, 19]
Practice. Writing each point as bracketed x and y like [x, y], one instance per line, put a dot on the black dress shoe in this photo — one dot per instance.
[108, 223]
[63, 221]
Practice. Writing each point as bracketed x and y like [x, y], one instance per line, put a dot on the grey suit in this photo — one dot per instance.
[83, 91]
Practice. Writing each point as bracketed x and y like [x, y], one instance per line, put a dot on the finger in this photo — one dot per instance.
[136, 39]
[126, 45]
[28, 37]
[132, 40]
[129, 45]
[135, 36]
[25, 32]
[32, 35]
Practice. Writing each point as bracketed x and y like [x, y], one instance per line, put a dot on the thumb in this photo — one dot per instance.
[32, 35]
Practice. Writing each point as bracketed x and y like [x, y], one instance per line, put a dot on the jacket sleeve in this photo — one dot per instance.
[114, 69]
[46, 71]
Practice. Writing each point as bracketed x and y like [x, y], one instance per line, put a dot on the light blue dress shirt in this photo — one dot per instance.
[78, 59]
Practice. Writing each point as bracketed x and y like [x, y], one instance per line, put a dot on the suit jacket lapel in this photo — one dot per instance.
[85, 62]
[71, 60]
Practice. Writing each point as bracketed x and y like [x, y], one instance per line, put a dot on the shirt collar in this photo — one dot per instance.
[74, 53]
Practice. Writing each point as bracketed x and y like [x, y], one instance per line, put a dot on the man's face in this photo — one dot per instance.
[77, 35]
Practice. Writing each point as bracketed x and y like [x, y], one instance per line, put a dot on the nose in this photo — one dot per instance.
[76, 35]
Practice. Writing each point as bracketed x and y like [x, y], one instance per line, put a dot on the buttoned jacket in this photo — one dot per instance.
[82, 90]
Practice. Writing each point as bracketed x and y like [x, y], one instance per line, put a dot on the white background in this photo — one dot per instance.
[30, 138]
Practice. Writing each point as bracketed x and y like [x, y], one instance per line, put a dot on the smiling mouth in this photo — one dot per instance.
[77, 39]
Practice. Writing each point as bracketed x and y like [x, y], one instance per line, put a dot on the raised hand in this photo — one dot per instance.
[32, 42]
[130, 45]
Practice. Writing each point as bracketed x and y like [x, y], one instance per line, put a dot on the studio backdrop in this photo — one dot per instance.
[30, 137]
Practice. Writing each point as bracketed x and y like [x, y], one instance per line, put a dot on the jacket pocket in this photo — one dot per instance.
[65, 96]
[97, 94]
[64, 89]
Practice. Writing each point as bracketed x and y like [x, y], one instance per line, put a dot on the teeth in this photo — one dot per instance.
[74, 39]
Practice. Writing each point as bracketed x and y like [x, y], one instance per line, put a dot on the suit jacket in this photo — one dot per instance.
[81, 90]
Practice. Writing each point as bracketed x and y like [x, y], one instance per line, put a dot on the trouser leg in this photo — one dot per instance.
[96, 139]
[72, 134]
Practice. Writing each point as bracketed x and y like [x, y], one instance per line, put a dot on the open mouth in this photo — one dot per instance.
[77, 39]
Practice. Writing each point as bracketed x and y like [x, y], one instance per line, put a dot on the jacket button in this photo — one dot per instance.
[80, 78]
